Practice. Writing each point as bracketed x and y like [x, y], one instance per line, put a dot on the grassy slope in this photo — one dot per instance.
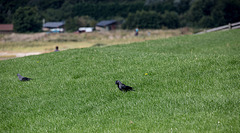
[192, 85]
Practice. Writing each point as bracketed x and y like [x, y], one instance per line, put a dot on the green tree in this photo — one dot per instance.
[144, 20]
[8, 8]
[218, 16]
[206, 21]
[27, 19]
[72, 24]
[199, 9]
[53, 15]
[182, 6]
[231, 10]
[170, 19]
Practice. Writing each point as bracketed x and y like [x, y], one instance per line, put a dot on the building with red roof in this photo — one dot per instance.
[6, 28]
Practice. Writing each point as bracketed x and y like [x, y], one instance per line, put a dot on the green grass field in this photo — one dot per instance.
[183, 84]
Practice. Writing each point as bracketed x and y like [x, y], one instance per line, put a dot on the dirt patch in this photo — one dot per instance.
[10, 55]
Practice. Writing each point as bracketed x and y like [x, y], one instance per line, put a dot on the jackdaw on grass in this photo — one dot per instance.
[123, 87]
[21, 78]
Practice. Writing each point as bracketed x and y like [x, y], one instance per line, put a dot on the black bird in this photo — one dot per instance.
[21, 78]
[123, 87]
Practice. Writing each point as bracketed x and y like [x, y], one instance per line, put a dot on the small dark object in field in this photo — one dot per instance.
[123, 87]
[99, 45]
[21, 78]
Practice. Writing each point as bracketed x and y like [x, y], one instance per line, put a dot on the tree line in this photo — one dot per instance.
[154, 14]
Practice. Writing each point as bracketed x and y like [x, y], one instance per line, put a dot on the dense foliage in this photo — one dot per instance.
[72, 24]
[210, 13]
[197, 13]
[27, 19]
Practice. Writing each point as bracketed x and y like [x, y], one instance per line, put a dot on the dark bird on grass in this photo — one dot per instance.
[21, 78]
[123, 87]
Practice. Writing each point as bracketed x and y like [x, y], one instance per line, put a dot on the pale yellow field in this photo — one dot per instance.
[17, 45]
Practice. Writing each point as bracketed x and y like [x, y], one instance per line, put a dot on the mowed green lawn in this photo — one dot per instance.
[183, 84]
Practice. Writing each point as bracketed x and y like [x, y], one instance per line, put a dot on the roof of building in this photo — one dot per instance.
[6, 27]
[53, 24]
[106, 23]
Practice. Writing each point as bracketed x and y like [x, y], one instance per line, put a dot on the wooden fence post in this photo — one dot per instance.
[229, 26]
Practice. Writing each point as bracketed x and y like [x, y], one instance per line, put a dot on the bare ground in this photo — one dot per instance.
[20, 45]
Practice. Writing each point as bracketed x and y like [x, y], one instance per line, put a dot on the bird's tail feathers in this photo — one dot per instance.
[131, 89]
